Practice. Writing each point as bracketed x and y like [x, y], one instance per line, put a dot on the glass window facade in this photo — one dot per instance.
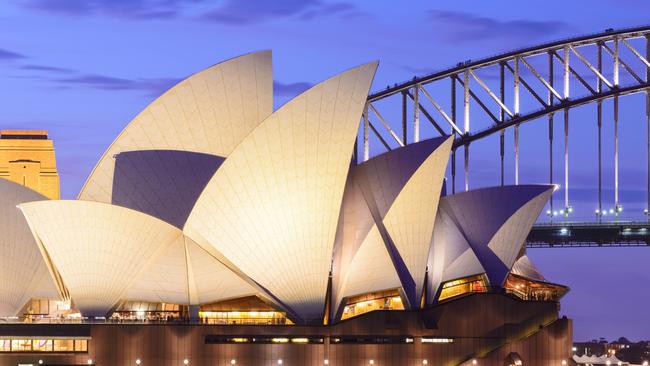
[385, 300]
[462, 286]
[149, 311]
[527, 289]
[17, 345]
[244, 318]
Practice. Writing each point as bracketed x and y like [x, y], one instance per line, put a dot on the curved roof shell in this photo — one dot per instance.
[210, 112]
[272, 207]
[97, 249]
[483, 230]
[23, 273]
[105, 254]
[388, 216]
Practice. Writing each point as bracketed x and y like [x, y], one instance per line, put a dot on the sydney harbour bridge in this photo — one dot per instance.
[494, 97]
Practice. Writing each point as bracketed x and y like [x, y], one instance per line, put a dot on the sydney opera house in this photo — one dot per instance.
[217, 231]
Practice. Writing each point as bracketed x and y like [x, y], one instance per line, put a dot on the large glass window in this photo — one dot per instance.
[63, 345]
[245, 317]
[463, 286]
[527, 289]
[149, 311]
[43, 345]
[81, 345]
[21, 345]
[249, 310]
[384, 300]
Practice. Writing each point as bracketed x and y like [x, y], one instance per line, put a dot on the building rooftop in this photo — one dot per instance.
[24, 134]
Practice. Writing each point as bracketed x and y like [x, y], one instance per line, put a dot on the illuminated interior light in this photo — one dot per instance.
[280, 340]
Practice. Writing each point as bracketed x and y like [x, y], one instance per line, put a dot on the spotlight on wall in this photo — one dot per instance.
[280, 362]
[326, 362]
[425, 362]
[137, 362]
[474, 362]
[186, 362]
[233, 361]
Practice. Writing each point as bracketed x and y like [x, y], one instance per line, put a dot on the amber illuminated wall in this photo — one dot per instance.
[27, 158]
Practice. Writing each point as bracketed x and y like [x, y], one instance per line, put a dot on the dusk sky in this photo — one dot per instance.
[82, 69]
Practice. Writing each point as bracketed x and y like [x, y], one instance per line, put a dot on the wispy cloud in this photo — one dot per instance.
[46, 68]
[6, 55]
[152, 86]
[243, 12]
[290, 89]
[231, 12]
[462, 27]
[147, 9]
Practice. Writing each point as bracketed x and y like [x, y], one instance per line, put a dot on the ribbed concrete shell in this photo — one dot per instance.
[210, 112]
[387, 221]
[524, 267]
[23, 274]
[184, 273]
[483, 230]
[105, 253]
[272, 207]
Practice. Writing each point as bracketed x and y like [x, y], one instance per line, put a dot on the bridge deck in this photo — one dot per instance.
[589, 234]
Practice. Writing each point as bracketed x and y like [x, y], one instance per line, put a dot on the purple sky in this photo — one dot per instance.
[83, 68]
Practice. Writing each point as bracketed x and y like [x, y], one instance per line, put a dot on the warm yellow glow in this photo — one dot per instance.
[245, 317]
[463, 286]
[43, 345]
[527, 289]
[381, 301]
[280, 340]
[300, 340]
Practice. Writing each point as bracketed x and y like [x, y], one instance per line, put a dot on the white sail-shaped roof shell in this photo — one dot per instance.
[524, 267]
[96, 248]
[483, 230]
[164, 278]
[399, 191]
[211, 281]
[23, 274]
[272, 207]
[184, 273]
[410, 219]
[106, 254]
[210, 112]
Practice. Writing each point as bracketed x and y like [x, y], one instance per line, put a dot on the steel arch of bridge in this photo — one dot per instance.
[577, 63]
